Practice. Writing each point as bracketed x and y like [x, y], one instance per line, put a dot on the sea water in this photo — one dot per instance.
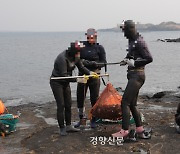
[27, 58]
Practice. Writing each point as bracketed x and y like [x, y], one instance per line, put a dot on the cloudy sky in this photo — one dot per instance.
[78, 15]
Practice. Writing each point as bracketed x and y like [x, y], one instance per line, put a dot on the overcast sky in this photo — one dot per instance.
[78, 15]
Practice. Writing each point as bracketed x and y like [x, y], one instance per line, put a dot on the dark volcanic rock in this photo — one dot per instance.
[169, 40]
[159, 94]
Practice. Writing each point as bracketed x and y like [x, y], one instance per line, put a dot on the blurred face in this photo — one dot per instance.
[128, 27]
[127, 32]
[77, 55]
[92, 39]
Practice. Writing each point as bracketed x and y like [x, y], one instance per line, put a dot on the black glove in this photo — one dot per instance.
[94, 64]
[89, 63]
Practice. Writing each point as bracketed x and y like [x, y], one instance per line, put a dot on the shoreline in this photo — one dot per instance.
[38, 132]
[14, 101]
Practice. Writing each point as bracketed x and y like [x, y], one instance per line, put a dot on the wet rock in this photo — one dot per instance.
[145, 96]
[161, 40]
[169, 40]
[159, 94]
[173, 40]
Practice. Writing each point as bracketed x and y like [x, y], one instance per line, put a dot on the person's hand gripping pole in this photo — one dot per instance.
[94, 75]
[83, 80]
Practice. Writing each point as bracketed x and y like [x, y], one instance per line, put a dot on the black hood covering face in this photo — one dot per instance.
[72, 50]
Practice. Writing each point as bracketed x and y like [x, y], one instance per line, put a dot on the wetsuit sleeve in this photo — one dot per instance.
[145, 54]
[96, 64]
[177, 115]
[60, 66]
[102, 56]
[88, 63]
[82, 68]
[60, 69]
[178, 109]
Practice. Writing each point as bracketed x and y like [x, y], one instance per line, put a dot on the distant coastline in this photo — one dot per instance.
[164, 26]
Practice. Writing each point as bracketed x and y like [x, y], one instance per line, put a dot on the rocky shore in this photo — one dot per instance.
[37, 131]
[169, 40]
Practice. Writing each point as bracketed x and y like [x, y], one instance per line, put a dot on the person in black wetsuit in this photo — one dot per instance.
[137, 57]
[91, 54]
[63, 66]
[177, 118]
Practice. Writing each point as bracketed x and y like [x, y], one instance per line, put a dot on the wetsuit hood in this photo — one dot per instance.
[129, 29]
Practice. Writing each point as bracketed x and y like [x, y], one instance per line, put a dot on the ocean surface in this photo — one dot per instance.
[26, 63]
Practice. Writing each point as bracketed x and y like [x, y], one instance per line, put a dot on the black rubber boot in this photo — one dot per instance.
[132, 136]
[63, 132]
[93, 122]
[82, 122]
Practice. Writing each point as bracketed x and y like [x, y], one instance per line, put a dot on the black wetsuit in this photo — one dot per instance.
[138, 51]
[90, 54]
[177, 115]
[63, 67]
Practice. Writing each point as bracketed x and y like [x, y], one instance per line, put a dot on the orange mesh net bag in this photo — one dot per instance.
[108, 105]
